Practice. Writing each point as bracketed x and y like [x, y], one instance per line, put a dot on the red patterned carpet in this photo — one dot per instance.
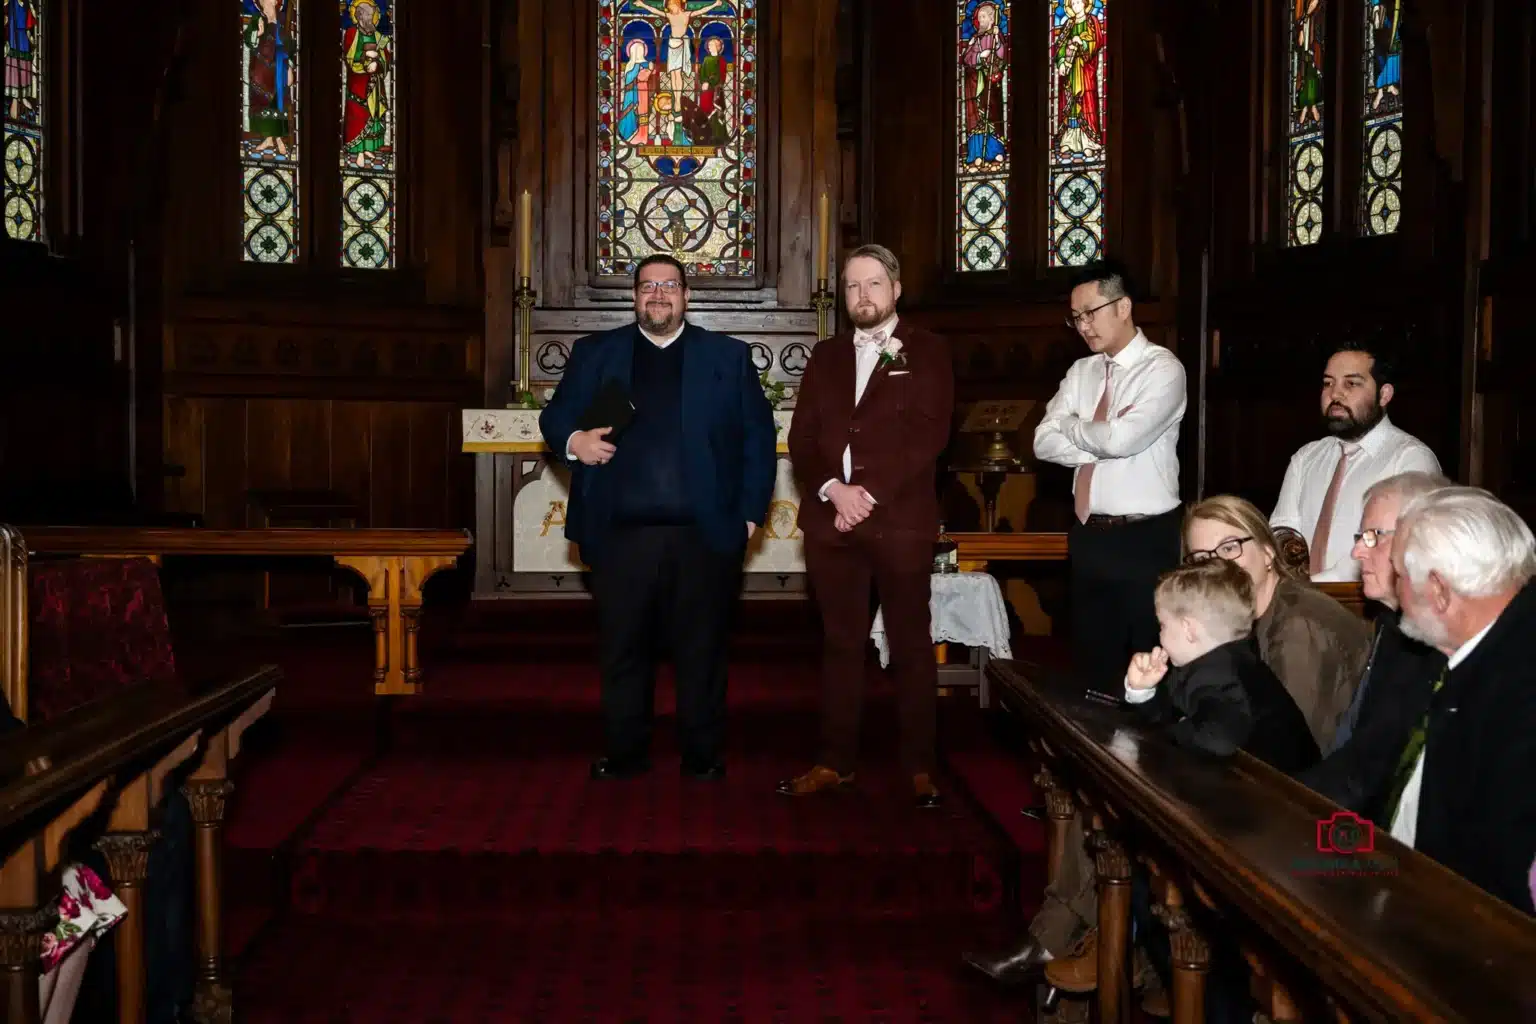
[446, 858]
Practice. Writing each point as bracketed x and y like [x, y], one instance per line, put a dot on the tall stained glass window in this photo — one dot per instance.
[1381, 173]
[985, 143]
[25, 117]
[1077, 130]
[269, 129]
[368, 134]
[1304, 126]
[677, 105]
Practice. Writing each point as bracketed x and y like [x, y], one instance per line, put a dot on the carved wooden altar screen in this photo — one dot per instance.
[701, 128]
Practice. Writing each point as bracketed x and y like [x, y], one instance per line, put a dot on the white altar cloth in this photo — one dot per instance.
[966, 608]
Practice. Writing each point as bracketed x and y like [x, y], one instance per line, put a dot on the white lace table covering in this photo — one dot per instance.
[965, 608]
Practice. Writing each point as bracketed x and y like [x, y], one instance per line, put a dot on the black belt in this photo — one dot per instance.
[1102, 520]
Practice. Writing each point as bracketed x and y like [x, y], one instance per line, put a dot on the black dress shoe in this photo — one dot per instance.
[611, 768]
[704, 771]
[1012, 967]
[1035, 811]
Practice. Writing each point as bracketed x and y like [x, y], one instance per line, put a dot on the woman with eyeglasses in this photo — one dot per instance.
[1314, 644]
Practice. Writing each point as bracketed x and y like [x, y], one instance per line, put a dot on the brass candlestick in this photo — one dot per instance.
[524, 298]
[821, 300]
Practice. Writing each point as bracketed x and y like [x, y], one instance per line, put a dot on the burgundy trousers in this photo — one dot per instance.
[841, 572]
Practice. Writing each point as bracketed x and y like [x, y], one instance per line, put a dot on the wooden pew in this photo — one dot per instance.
[111, 761]
[395, 564]
[1236, 842]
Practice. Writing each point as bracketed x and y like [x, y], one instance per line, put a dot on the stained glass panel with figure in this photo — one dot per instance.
[1077, 61]
[1381, 129]
[677, 106]
[1306, 32]
[25, 117]
[983, 87]
[368, 184]
[269, 130]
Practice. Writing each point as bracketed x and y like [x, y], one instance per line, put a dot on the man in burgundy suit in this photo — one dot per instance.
[871, 418]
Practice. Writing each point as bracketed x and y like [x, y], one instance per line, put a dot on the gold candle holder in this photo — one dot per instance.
[524, 298]
[821, 301]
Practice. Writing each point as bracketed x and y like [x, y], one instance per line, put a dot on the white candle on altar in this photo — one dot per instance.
[823, 267]
[525, 237]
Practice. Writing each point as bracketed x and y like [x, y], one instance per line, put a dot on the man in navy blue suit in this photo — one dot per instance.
[663, 510]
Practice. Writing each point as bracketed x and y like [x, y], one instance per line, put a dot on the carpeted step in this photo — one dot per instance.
[647, 964]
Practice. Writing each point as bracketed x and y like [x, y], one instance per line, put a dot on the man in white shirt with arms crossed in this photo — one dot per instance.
[1115, 421]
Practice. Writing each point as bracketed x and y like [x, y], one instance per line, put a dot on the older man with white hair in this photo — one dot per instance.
[1400, 674]
[1463, 790]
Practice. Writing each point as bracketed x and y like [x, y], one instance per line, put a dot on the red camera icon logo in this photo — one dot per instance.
[1345, 832]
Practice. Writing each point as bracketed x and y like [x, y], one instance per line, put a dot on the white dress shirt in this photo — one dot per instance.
[1135, 452]
[654, 340]
[1405, 823]
[1384, 451]
[865, 359]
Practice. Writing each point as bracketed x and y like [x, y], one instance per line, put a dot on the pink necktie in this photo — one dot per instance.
[1085, 473]
[1319, 552]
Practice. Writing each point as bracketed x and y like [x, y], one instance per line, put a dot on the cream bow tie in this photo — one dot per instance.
[862, 339]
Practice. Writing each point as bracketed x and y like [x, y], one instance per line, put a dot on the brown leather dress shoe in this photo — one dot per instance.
[1079, 972]
[819, 779]
[926, 792]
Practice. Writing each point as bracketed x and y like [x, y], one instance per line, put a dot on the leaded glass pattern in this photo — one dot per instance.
[1077, 130]
[1381, 172]
[269, 130]
[677, 170]
[368, 184]
[984, 157]
[1307, 34]
[25, 117]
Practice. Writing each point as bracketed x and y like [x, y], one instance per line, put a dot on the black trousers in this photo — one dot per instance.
[660, 584]
[1114, 570]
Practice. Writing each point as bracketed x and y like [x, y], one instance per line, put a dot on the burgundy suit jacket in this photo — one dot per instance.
[897, 432]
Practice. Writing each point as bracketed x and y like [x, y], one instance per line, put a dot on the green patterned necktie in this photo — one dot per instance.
[1409, 761]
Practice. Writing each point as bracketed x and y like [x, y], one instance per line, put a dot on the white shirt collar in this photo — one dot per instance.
[1133, 352]
[664, 342]
[889, 327]
[1465, 650]
[1372, 440]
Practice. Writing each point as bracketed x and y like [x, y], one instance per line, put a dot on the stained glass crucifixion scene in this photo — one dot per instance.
[677, 135]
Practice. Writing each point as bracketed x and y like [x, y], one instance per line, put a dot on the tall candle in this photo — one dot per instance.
[525, 237]
[823, 268]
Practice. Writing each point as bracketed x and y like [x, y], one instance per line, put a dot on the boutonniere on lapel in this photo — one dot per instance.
[891, 354]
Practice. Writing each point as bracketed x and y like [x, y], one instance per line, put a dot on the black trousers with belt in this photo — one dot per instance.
[662, 586]
[1113, 566]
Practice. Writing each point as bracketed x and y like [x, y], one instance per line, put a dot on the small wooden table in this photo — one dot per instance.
[395, 564]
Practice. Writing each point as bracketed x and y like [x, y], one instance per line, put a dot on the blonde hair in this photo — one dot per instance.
[881, 255]
[1216, 593]
[1242, 516]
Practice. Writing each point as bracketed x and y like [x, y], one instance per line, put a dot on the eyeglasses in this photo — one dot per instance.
[1227, 549]
[1370, 538]
[650, 287]
[1076, 320]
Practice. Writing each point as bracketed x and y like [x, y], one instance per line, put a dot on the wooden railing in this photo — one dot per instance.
[1384, 935]
[396, 564]
[111, 762]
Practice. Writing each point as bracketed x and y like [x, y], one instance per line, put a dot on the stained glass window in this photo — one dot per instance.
[677, 135]
[1381, 173]
[1304, 126]
[25, 117]
[368, 47]
[984, 150]
[269, 129]
[1077, 130]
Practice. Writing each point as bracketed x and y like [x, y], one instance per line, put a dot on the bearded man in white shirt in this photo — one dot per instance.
[1323, 495]
[1115, 422]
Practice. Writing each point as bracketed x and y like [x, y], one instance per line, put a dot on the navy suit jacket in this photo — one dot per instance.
[729, 451]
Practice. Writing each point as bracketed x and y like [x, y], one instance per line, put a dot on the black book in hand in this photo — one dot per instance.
[610, 407]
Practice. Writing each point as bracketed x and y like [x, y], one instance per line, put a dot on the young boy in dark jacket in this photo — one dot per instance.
[1206, 681]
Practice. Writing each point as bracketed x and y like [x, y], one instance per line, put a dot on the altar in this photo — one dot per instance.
[524, 488]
